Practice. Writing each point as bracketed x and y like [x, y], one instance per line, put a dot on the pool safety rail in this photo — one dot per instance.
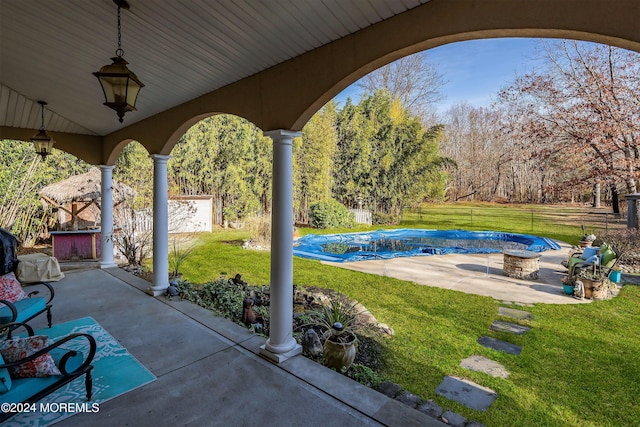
[386, 244]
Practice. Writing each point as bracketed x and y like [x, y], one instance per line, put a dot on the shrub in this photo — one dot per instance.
[225, 298]
[381, 218]
[330, 213]
[364, 375]
[178, 254]
[260, 229]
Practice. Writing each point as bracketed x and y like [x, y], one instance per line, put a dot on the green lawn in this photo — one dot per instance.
[579, 365]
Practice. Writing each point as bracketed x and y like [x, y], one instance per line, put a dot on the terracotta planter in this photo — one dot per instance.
[339, 355]
[590, 286]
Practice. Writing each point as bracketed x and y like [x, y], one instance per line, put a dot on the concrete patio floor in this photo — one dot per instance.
[208, 369]
[479, 274]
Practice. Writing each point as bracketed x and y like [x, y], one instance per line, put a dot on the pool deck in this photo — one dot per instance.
[479, 274]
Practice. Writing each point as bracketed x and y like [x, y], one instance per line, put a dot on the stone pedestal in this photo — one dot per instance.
[521, 264]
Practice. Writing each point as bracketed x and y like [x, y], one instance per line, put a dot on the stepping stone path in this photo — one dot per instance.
[467, 392]
[500, 345]
[500, 326]
[482, 364]
[514, 314]
[474, 395]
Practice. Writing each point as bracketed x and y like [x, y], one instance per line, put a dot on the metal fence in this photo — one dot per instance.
[596, 221]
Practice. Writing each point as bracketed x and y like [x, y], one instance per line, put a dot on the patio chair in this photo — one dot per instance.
[15, 304]
[32, 367]
[603, 259]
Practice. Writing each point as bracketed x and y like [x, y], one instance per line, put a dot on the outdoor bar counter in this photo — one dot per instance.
[76, 244]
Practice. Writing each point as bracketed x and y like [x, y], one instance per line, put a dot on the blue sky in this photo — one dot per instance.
[474, 70]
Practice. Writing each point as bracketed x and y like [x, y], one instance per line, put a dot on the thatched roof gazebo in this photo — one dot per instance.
[81, 192]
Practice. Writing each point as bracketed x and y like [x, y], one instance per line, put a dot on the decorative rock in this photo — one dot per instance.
[511, 328]
[311, 343]
[466, 392]
[482, 364]
[172, 290]
[513, 313]
[409, 399]
[500, 345]
[385, 328]
[453, 419]
[430, 408]
[389, 389]
[474, 424]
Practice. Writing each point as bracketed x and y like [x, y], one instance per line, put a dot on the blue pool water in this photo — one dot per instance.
[384, 244]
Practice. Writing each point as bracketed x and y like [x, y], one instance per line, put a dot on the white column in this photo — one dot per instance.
[106, 218]
[160, 226]
[281, 345]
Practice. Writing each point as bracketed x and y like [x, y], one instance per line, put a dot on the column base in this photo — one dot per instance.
[156, 292]
[109, 264]
[280, 357]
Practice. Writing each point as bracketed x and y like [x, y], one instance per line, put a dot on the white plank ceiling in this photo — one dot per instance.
[180, 49]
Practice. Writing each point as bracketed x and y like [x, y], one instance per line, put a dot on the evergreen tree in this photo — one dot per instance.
[313, 156]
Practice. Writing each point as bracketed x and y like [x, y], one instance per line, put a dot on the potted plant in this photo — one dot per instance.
[568, 285]
[587, 239]
[592, 279]
[337, 318]
[177, 256]
[615, 275]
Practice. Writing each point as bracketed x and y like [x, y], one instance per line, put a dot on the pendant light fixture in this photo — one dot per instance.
[42, 142]
[119, 84]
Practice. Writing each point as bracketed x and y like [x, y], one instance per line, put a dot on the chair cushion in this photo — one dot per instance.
[5, 378]
[608, 257]
[11, 289]
[595, 259]
[19, 348]
[26, 308]
[24, 388]
[589, 252]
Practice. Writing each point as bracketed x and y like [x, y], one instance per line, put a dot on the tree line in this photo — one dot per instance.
[566, 132]
[558, 134]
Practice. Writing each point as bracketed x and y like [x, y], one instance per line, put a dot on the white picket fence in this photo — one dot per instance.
[362, 216]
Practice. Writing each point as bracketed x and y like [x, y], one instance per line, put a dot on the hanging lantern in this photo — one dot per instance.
[42, 142]
[119, 84]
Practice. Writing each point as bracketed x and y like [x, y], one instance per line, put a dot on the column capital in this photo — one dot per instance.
[107, 167]
[160, 158]
[280, 134]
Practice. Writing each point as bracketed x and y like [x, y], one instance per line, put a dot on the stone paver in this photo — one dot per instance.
[454, 419]
[482, 364]
[430, 408]
[512, 328]
[389, 389]
[500, 345]
[515, 314]
[409, 399]
[466, 392]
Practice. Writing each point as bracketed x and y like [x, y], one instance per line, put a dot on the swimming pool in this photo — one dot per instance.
[385, 244]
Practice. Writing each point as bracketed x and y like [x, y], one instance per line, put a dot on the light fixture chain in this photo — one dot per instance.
[119, 52]
[42, 114]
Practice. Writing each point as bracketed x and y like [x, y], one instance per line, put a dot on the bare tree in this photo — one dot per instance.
[473, 140]
[412, 80]
[584, 106]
